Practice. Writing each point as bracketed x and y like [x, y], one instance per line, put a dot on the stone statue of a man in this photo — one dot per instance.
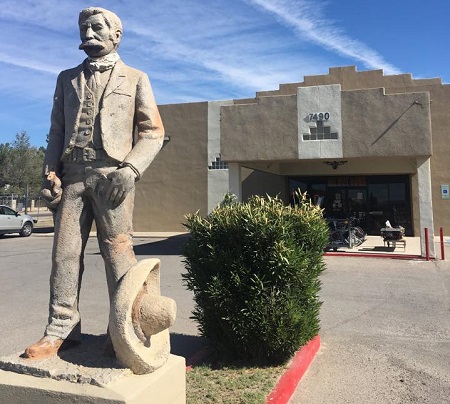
[105, 131]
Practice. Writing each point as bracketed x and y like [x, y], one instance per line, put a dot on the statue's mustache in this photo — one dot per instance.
[91, 43]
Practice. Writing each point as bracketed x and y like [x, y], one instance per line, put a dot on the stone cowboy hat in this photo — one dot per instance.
[140, 318]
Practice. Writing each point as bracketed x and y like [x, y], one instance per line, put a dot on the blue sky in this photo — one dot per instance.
[200, 50]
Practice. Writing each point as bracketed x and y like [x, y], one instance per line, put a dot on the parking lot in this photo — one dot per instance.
[24, 290]
[385, 331]
[385, 322]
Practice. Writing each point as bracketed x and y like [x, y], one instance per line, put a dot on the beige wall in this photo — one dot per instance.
[350, 79]
[375, 124]
[263, 132]
[249, 132]
[440, 162]
[176, 182]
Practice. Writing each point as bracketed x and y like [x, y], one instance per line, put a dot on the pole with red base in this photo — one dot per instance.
[427, 245]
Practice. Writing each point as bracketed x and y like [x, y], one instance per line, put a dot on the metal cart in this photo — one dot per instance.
[393, 235]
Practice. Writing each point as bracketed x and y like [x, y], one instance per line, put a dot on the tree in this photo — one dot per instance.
[5, 156]
[21, 165]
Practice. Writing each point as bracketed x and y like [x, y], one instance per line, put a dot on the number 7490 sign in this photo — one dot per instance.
[319, 116]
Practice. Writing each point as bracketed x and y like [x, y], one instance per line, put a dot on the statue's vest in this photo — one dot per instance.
[88, 134]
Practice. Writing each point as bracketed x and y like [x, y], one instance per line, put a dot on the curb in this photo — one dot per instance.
[288, 382]
[375, 255]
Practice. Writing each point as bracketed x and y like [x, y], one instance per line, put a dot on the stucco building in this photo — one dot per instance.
[365, 144]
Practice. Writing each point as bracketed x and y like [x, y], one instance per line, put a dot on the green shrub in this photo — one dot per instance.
[254, 269]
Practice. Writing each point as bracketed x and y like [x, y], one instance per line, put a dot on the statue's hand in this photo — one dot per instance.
[51, 190]
[122, 181]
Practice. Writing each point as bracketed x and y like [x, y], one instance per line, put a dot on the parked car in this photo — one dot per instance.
[14, 222]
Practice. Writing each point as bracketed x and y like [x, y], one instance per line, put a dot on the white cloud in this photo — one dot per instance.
[55, 15]
[305, 18]
[27, 63]
[189, 43]
[231, 47]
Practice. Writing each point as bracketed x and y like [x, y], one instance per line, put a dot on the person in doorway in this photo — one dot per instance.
[105, 131]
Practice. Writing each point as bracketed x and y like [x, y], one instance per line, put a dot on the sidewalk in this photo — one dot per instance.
[374, 246]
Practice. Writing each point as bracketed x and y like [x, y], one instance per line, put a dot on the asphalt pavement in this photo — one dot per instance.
[25, 265]
[385, 333]
[385, 323]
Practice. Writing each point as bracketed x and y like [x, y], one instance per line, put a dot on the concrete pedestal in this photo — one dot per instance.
[167, 385]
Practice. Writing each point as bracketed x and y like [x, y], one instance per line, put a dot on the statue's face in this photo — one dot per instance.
[97, 39]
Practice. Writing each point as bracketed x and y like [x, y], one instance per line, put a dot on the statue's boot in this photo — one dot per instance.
[44, 348]
[50, 345]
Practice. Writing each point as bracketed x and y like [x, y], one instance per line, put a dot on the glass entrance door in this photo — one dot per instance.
[336, 203]
[357, 205]
[389, 201]
[344, 203]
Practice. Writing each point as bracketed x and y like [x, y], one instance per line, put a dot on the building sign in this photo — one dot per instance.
[318, 116]
[346, 181]
[445, 193]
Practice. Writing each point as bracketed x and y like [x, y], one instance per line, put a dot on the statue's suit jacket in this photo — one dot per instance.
[130, 124]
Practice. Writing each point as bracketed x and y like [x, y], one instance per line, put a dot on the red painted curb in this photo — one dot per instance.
[299, 365]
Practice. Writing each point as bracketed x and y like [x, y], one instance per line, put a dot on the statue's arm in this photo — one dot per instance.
[57, 129]
[51, 187]
[149, 139]
[149, 127]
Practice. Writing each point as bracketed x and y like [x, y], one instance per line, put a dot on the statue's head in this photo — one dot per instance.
[100, 31]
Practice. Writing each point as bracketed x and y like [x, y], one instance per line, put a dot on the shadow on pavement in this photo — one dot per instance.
[186, 345]
[169, 246]
[43, 230]
[378, 249]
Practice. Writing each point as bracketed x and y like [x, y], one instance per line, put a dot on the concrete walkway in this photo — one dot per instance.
[376, 245]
